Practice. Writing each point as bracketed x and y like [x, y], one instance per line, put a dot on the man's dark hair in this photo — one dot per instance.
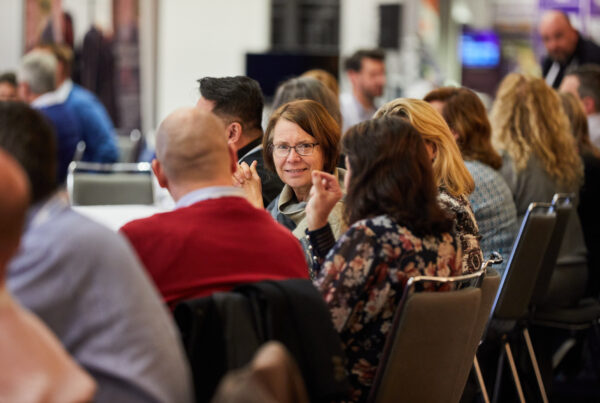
[29, 138]
[354, 62]
[589, 81]
[235, 98]
[9, 78]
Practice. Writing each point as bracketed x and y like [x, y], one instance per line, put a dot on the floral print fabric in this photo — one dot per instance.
[362, 280]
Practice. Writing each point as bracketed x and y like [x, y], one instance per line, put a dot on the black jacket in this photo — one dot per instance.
[586, 51]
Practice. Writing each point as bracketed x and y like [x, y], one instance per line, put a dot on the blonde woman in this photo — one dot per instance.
[453, 180]
[540, 156]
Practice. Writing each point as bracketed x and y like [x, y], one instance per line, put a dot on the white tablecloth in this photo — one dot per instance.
[115, 216]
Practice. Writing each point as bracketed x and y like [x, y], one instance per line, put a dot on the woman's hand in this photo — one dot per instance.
[324, 194]
[246, 177]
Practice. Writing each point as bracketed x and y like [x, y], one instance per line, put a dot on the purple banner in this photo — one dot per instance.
[595, 7]
[563, 5]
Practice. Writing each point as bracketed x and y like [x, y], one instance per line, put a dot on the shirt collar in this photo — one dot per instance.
[248, 147]
[46, 100]
[62, 92]
[213, 192]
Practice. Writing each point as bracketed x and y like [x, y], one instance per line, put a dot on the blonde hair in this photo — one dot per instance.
[449, 168]
[528, 119]
[325, 77]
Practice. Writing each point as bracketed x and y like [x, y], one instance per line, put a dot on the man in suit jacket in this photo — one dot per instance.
[566, 47]
[214, 239]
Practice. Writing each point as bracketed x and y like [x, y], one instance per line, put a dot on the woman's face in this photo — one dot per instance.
[295, 169]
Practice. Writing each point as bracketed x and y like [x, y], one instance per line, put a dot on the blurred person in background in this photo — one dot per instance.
[34, 367]
[565, 46]
[86, 284]
[366, 72]
[326, 78]
[584, 83]
[8, 87]
[589, 196]
[37, 82]
[540, 159]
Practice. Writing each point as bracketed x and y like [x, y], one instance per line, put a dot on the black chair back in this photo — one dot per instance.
[563, 204]
[516, 287]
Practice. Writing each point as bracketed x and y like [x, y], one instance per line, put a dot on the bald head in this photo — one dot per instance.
[558, 36]
[14, 200]
[191, 147]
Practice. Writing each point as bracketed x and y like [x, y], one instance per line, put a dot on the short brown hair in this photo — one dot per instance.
[465, 114]
[313, 118]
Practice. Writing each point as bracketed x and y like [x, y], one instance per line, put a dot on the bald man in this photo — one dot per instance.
[214, 239]
[565, 46]
[34, 367]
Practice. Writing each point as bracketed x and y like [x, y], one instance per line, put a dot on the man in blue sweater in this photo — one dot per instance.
[96, 126]
[37, 82]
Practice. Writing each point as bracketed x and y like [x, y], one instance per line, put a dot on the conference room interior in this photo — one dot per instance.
[516, 315]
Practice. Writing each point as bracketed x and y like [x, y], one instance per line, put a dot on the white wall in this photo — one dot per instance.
[11, 34]
[200, 38]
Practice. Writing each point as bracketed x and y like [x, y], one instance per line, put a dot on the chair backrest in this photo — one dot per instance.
[489, 289]
[79, 151]
[432, 332]
[91, 183]
[563, 204]
[129, 146]
[516, 286]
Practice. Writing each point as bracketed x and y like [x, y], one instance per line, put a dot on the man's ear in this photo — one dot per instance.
[234, 131]
[352, 76]
[589, 105]
[233, 161]
[159, 173]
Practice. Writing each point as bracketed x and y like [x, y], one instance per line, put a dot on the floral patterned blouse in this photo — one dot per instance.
[466, 229]
[362, 280]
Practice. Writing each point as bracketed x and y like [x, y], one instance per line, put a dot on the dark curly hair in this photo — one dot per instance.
[391, 174]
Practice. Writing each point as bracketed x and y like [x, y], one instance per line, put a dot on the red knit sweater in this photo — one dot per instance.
[214, 245]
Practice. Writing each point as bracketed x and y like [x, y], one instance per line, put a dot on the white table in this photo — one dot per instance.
[115, 216]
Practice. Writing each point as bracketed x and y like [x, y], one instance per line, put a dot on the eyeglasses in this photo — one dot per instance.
[282, 150]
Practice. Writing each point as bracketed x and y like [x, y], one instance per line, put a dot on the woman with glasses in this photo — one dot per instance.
[301, 137]
[454, 181]
[397, 230]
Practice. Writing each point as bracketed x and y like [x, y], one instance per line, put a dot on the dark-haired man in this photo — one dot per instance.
[565, 46]
[366, 72]
[238, 102]
[584, 82]
[8, 87]
[86, 284]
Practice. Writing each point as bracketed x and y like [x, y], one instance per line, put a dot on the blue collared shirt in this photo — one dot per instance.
[212, 192]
